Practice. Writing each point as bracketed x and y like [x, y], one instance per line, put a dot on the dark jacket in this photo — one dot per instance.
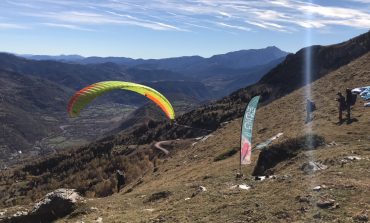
[121, 178]
[310, 106]
[342, 102]
[350, 98]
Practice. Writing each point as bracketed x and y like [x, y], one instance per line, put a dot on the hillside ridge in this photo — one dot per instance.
[192, 164]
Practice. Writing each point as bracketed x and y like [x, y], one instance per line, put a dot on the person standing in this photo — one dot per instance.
[121, 179]
[341, 105]
[310, 107]
[349, 102]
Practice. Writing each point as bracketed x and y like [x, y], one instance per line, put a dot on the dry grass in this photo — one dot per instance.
[290, 197]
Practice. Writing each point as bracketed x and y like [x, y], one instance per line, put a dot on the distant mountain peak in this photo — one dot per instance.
[62, 57]
[273, 47]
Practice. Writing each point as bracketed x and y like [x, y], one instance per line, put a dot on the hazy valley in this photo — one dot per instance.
[36, 92]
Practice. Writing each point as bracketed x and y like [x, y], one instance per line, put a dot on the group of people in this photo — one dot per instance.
[344, 104]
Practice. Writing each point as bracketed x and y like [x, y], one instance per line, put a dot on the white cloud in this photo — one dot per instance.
[331, 12]
[362, 1]
[12, 26]
[22, 4]
[145, 22]
[82, 17]
[234, 26]
[66, 26]
[89, 18]
[269, 25]
[276, 15]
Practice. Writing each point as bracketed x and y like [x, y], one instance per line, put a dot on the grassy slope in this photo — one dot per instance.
[269, 200]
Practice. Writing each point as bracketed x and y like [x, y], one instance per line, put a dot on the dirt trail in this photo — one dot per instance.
[159, 145]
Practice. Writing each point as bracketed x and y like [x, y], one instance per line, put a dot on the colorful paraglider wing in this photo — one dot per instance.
[246, 134]
[87, 94]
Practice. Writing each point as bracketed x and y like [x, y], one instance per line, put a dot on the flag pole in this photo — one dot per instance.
[240, 143]
[246, 132]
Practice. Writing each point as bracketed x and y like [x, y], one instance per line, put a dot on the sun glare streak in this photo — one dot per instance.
[308, 68]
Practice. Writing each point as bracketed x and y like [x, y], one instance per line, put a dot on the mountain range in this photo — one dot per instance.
[236, 60]
[221, 73]
[283, 79]
[198, 177]
[186, 81]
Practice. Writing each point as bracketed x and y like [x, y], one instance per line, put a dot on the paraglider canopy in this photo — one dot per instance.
[83, 97]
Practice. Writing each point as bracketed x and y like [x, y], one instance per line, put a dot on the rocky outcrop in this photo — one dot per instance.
[54, 205]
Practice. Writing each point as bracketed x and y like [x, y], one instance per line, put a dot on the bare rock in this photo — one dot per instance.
[361, 218]
[202, 189]
[199, 189]
[319, 188]
[312, 167]
[54, 205]
[325, 204]
[303, 199]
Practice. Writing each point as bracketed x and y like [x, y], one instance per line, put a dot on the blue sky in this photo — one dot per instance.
[168, 28]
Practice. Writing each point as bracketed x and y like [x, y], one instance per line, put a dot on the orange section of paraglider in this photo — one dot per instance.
[75, 97]
[158, 102]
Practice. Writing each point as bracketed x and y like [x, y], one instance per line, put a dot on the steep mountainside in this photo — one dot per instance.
[343, 195]
[252, 76]
[289, 75]
[27, 111]
[185, 90]
[281, 80]
[168, 188]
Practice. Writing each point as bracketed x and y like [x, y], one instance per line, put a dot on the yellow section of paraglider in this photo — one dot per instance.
[83, 97]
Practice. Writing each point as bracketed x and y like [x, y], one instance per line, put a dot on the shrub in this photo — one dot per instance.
[104, 188]
[226, 154]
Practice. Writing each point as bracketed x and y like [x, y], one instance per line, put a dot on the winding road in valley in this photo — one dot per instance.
[159, 145]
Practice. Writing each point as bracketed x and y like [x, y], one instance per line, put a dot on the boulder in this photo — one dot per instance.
[361, 218]
[326, 203]
[199, 189]
[312, 167]
[54, 205]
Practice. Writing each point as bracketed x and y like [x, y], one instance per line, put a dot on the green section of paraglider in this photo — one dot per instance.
[89, 93]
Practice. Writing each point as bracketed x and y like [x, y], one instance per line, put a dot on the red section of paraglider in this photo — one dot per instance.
[75, 97]
[158, 102]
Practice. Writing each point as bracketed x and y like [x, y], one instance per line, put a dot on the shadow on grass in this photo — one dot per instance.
[288, 149]
[226, 154]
